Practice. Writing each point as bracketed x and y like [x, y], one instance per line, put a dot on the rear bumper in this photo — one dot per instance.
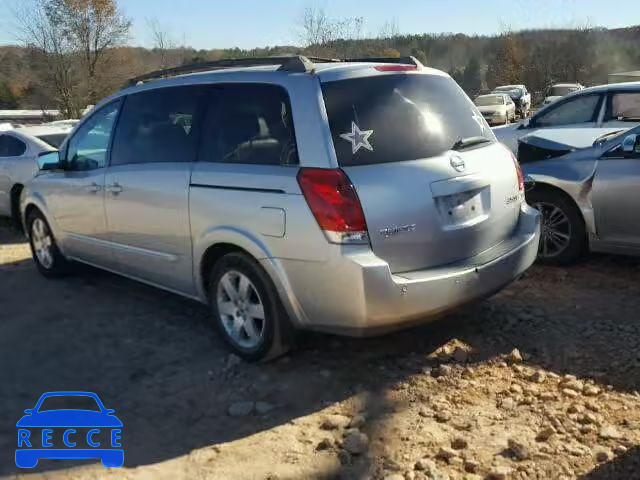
[496, 119]
[355, 292]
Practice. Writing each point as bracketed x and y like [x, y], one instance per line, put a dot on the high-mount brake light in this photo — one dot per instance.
[396, 68]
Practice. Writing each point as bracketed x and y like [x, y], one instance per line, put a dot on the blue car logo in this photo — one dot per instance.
[69, 425]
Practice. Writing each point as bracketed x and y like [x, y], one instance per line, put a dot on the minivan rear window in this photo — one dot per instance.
[393, 118]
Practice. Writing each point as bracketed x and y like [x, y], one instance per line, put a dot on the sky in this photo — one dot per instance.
[210, 24]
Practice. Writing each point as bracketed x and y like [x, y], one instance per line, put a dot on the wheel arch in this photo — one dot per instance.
[217, 242]
[14, 199]
[548, 187]
[211, 256]
[36, 202]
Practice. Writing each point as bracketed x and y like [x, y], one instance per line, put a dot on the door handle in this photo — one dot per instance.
[94, 188]
[115, 188]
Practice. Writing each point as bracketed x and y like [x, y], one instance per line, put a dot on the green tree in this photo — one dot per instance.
[472, 79]
[458, 75]
[8, 101]
[507, 67]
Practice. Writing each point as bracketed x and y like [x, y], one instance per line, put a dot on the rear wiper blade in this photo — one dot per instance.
[469, 142]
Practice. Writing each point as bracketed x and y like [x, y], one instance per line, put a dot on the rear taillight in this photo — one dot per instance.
[516, 163]
[334, 203]
[396, 68]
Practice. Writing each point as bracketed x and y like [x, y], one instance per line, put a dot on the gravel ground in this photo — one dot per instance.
[539, 382]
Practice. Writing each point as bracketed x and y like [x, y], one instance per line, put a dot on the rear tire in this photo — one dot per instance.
[563, 235]
[46, 254]
[247, 309]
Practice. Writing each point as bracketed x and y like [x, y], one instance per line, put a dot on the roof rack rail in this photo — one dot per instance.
[325, 60]
[287, 63]
[410, 60]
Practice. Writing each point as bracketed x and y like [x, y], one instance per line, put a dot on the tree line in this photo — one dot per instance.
[74, 52]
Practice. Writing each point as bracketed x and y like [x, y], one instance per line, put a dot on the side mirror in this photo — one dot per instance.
[29, 411]
[630, 143]
[49, 160]
[525, 124]
[109, 411]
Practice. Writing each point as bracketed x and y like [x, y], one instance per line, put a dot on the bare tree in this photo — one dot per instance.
[319, 31]
[93, 28]
[163, 41]
[48, 44]
[389, 30]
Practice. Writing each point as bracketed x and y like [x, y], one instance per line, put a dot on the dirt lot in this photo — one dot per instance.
[446, 400]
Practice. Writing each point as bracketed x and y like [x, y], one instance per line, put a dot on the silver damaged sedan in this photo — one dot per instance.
[589, 197]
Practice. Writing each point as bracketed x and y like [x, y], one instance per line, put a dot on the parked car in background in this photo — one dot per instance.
[19, 150]
[520, 96]
[63, 123]
[559, 90]
[605, 106]
[345, 196]
[497, 108]
[588, 197]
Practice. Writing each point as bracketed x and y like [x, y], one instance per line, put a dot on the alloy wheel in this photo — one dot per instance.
[42, 243]
[556, 230]
[241, 309]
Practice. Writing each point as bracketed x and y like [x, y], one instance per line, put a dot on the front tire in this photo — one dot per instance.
[247, 309]
[46, 254]
[563, 235]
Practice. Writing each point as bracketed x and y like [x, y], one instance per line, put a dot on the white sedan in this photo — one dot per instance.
[19, 151]
[496, 108]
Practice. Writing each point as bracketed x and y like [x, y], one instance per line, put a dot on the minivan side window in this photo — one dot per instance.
[582, 109]
[158, 126]
[11, 146]
[251, 124]
[88, 148]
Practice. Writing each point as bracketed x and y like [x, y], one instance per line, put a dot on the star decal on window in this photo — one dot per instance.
[358, 138]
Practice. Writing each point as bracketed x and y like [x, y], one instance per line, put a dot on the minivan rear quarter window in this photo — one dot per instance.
[252, 124]
[392, 118]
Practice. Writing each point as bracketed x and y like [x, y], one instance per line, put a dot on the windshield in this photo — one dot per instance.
[392, 118]
[561, 91]
[488, 100]
[67, 402]
[54, 140]
[513, 92]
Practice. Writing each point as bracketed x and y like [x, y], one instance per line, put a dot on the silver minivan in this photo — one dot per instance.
[343, 196]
